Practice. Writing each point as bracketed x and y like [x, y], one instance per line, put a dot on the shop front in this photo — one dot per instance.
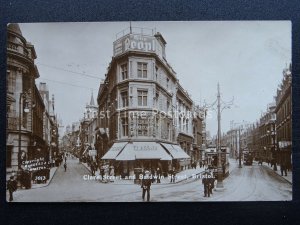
[179, 158]
[130, 156]
[144, 155]
[284, 155]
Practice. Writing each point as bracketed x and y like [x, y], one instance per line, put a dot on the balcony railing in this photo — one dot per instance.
[18, 49]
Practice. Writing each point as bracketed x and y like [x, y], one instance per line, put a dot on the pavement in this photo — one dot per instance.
[35, 186]
[52, 172]
[289, 176]
[249, 183]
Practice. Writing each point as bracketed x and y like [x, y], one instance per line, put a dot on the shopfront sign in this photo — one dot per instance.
[145, 148]
[92, 152]
[284, 144]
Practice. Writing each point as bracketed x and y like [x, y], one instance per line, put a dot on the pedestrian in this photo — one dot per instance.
[93, 169]
[283, 169]
[102, 172]
[206, 184]
[106, 172]
[173, 174]
[112, 173]
[211, 181]
[65, 166]
[11, 187]
[146, 183]
[158, 174]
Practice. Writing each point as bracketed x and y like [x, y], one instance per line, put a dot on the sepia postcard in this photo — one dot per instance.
[177, 111]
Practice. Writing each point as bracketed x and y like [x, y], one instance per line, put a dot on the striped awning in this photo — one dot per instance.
[176, 151]
[143, 150]
[114, 150]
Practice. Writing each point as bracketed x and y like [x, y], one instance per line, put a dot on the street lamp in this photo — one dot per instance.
[240, 152]
[220, 185]
[272, 134]
[23, 98]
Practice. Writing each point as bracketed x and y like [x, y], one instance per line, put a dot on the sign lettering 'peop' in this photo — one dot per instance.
[136, 43]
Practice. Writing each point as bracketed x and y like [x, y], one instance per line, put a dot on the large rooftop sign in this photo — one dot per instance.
[137, 42]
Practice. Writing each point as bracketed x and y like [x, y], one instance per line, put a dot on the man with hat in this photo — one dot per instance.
[11, 187]
[146, 183]
[206, 183]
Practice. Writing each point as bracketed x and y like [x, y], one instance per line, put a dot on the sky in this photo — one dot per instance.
[246, 58]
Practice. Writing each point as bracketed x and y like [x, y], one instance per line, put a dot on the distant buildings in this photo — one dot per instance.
[283, 112]
[267, 133]
[270, 139]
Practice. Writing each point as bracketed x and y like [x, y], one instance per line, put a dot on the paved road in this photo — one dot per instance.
[250, 183]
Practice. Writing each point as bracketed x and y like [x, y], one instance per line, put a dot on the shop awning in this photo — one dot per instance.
[114, 150]
[176, 151]
[143, 150]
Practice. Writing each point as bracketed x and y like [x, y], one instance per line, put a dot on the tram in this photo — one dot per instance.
[248, 159]
[211, 157]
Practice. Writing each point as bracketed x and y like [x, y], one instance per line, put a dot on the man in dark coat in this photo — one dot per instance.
[211, 181]
[206, 184]
[158, 174]
[93, 168]
[146, 183]
[11, 187]
[173, 174]
[283, 168]
[65, 166]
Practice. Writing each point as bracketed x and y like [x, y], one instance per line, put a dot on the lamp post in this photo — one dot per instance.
[240, 154]
[220, 185]
[23, 96]
[272, 134]
[220, 169]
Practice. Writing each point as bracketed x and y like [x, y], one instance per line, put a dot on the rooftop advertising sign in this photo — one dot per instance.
[136, 42]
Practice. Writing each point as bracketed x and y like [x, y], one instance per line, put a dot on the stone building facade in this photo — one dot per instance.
[143, 110]
[283, 112]
[26, 134]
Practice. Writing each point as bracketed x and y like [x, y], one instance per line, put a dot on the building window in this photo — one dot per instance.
[124, 72]
[168, 105]
[156, 99]
[156, 73]
[142, 70]
[11, 82]
[168, 83]
[187, 126]
[143, 127]
[8, 155]
[142, 98]
[124, 99]
[169, 131]
[125, 126]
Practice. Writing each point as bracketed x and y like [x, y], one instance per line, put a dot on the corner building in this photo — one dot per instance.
[142, 108]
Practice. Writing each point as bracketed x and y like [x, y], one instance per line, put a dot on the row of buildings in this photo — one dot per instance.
[32, 127]
[144, 118]
[270, 138]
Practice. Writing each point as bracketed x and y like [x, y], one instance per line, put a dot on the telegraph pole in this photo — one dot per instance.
[220, 169]
[240, 156]
[220, 107]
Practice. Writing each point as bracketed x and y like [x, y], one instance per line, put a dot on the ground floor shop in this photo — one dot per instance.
[129, 157]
